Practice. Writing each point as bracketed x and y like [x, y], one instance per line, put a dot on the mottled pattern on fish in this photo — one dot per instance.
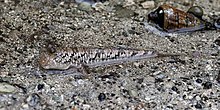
[77, 57]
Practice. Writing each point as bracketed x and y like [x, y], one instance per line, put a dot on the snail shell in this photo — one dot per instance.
[175, 20]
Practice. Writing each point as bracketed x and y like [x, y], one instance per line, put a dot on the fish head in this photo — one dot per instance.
[51, 61]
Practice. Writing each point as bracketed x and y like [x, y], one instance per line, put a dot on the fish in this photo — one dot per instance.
[81, 57]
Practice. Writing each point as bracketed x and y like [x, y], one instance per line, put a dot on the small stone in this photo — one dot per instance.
[190, 97]
[174, 88]
[101, 97]
[190, 87]
[198, 80]
[159, 78]
[147, 98]
[84, 6]
[198, 106]
[40, 86]
[198, 98]
[217, 41]
[148, 4]
[129, 2]
[133, 93]
[6, 88]
[1, 60]
[209, 67]
[196, 54]
[125, 34]
[86, 106]
[122, 12]
[187, 2]
[25, 106]
[33, 99]
[218, 77]
[2, 39]
[207, 85]
[140, 80]
[131, 31]
[80, 82]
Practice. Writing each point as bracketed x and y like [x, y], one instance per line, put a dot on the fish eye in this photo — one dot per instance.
[196, 11]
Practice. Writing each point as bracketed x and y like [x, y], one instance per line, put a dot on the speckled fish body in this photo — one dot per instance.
[66, 58]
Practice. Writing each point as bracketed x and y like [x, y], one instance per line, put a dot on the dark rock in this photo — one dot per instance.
[174, 88]
[1, 39]
[218, 77]
[125, 34]
[217, 41]
[207, 85]
[101, 97]
[157, 80]
[198, 80]
[33, 99]
[40, 86]
[198, 106]
[131, 31]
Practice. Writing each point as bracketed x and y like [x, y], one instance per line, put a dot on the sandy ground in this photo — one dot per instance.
[27, 27]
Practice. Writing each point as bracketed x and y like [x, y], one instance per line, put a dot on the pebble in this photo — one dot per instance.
[174, 88]
[6, 88]
[86, 106]
[198, 98]
[33, 99]
[101, 97]
[25, 106]
[147, 98]
[122, 12]
[217, 41]
[198, 106]
[190, 87]
[40, 86]
[187, 2]
[159, 78]
[80, 82]
[133, 93]
[208, 67]
[84, 6]
[198, 80]
[1, 60]
[148, 4]
[190, 97]
[218, 77]
[129, 2]
[207, 85]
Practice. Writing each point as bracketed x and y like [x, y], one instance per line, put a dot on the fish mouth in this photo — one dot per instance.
[43, 60]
